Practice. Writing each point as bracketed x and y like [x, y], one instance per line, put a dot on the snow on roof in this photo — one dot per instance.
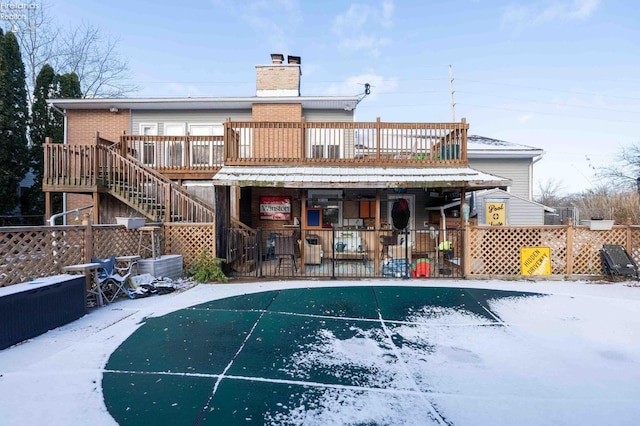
[482, 146]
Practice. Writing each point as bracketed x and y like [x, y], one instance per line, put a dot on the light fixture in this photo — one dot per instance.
[113, 109]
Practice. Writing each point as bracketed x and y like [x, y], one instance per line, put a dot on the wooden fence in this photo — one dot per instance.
[30, 252]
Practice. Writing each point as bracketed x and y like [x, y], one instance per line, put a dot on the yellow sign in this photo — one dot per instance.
[496, 213]
[535, 261]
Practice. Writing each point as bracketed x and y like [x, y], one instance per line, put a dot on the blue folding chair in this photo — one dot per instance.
[111, 284]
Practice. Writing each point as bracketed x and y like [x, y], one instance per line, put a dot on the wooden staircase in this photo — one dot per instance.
[149, 192]
[103, 168]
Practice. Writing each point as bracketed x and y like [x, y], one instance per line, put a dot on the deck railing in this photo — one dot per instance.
[71, 167]
[177, 153]
[359, 143]
[275, 143]
[96, 167]
[151, 192]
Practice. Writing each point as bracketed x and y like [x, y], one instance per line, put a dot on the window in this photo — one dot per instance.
[326, 143]
[333, 151]
[148, 129]
[317, 151]
[205, 151]
[174, 149]
[145, 151]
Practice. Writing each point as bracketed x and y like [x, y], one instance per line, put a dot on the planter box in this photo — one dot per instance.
[600, 225]
[131, 222]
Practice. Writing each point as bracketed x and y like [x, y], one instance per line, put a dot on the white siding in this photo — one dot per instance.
[327, 115]
[518, 170]
[519, 212]
[187, 117]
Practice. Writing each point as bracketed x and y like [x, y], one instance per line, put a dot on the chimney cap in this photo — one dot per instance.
[293, 59]
[277, 58]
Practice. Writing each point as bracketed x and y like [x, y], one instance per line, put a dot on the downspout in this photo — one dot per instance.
[534, 161]
[444, 224]
[64, 141]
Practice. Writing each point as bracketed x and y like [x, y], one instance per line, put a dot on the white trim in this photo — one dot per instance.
[180, 124]
[217, 129]
[170, 161]
[214, 129]
[153, 126]
[308, 102]
[142, 147]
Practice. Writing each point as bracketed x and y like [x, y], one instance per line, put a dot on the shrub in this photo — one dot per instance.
[207, 268]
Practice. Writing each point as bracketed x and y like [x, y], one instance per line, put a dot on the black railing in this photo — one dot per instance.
[339, 253]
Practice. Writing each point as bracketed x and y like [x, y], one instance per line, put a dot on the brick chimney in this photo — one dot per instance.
[277, 78]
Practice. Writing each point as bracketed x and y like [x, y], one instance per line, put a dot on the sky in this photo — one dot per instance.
[558, 75]
[570, 357]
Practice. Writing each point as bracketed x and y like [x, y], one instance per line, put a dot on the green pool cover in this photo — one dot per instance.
[336, 355]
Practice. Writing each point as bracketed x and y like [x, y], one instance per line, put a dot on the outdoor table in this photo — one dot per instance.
[129, 262]
[89, 271]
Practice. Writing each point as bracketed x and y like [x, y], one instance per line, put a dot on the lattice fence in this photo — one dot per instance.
[114, 240]
[496, 250]
[31, 252]
[188, 239]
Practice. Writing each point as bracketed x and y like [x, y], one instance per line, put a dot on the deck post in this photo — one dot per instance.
[569, 251]
[466, 250]
[377, 126]
[88, 238]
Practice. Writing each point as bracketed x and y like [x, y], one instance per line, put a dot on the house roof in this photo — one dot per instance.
[357, 177]
[347, 103]
[479, 147]
[502, 193]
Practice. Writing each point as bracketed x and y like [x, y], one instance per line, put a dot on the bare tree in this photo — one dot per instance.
[38, 38]
[94, 58]
[625, 171]
[85, 51]
[550, 192]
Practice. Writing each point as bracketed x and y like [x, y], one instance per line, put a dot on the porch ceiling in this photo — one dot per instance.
[357, 177]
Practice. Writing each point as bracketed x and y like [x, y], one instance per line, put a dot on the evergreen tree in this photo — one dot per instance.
[45, 122]
[14, 159]
[67, 86]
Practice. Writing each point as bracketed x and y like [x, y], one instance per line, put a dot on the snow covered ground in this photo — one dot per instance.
[570, 358]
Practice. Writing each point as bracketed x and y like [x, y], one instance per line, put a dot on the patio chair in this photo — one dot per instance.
[111, 284]
[285, 252]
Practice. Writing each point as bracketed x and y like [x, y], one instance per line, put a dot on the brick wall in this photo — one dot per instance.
[276, 112]
[83, 125]
[77, 201]
[281, 142]
[278, 77]
[81, 129]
